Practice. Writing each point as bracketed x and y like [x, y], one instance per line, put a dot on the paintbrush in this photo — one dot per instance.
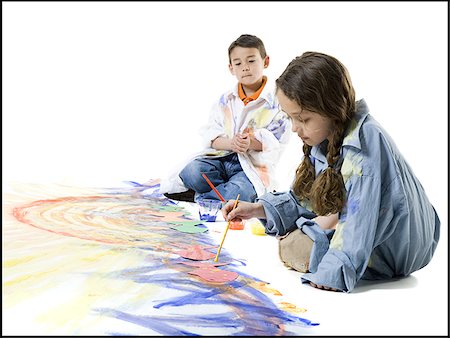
[226, 230]
[236, 225]
[213, 187]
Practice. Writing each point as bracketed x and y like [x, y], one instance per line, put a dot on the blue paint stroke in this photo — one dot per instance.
[245, 310]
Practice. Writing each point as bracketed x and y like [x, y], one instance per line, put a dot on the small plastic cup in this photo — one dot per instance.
[237, 224]
[208, 209]
[256, 227]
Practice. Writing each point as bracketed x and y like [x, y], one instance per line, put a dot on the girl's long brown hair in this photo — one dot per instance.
[320, 83]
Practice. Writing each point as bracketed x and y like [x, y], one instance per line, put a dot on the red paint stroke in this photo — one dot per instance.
[20, 213]
[215, 275]
[185, 246]
[203, 264]
[196, 252]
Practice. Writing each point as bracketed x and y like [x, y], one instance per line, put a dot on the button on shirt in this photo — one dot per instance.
[388, 227]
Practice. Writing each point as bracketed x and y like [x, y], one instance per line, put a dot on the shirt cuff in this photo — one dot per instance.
[320, 239]
[282, 212]
[335, 271]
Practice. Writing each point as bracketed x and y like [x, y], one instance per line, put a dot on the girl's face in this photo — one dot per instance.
[311, 127]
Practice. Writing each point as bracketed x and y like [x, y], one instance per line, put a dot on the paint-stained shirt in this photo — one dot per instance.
[264, 119]
[229, 115]
[388, 227]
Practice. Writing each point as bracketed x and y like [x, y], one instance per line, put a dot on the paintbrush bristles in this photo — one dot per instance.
[226, 230]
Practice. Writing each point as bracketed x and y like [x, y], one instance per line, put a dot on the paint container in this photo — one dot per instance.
[256, 227]
[208, 209]
[237, 224]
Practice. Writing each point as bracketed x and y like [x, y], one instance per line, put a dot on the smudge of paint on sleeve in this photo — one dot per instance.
[351, 166]
[337, 241]
[351, 133]
[263, 174]
[228, 121]
[352, 206]
[262, 117]
[278, 126]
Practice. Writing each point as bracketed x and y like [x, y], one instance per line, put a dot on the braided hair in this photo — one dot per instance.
[320, 83]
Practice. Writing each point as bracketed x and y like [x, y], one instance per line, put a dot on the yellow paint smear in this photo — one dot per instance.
[261, 286]
[291, 308]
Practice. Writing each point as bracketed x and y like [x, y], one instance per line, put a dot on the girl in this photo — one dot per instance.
[354, 196]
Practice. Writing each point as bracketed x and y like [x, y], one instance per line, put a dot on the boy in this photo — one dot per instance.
[243, 139]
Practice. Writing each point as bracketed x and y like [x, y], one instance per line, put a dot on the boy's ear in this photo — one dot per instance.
[266, 61]
[230, 67]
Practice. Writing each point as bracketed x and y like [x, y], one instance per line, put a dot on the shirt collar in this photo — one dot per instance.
[267, 94]
[246, 99]
[353, 136]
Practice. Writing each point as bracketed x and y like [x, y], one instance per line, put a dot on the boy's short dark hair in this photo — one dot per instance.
[248, 41]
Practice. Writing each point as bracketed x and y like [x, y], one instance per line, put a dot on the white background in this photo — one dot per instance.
[95, 93]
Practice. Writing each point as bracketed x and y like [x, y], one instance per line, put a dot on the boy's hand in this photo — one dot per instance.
[243, 210]
[254, 143]
[240, 143]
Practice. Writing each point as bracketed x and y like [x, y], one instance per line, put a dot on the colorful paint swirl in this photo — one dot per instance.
[111, 262]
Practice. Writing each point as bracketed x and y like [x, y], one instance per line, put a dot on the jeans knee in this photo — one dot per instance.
[248, 195]
[189, 172]
[246, 191]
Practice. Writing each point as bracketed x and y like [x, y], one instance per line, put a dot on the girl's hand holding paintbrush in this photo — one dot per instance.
[243, 210]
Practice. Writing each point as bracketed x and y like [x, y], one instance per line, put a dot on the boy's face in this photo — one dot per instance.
[247, 65]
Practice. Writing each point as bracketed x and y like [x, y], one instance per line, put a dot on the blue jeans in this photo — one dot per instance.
[226, 175]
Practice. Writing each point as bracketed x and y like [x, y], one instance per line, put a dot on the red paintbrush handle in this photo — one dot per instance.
[213, 187]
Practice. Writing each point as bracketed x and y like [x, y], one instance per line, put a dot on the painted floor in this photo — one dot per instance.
[125, 261]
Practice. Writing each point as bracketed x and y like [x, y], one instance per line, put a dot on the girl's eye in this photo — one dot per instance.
[303, 120]
[251, 61]
[237, 64]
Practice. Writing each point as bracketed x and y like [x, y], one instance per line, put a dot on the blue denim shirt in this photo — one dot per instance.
[388, 227]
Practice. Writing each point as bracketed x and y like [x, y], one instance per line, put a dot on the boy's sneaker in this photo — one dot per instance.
[185, 196]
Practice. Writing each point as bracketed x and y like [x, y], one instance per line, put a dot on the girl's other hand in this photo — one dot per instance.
[327, 222]
[322, 287]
